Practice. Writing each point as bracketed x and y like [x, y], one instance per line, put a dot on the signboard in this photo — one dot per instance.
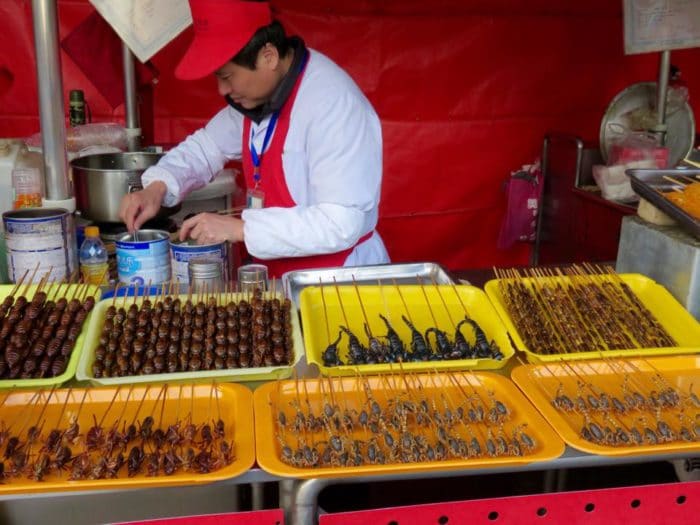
[658, 25]
[146, 26]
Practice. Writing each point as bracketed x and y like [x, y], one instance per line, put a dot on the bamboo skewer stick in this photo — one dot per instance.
[362, 307]
[325, 311]
[31, 280]
[340, 303]
[427, 302]
[403, 301]
[676, 183]
[444, 304]
[109, 407]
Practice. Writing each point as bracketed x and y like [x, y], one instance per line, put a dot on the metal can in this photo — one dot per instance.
[43, 237]
[144, 257]
[182, 253]
[206, 274]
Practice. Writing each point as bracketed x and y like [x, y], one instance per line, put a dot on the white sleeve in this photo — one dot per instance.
[196, 160]
[342, 161]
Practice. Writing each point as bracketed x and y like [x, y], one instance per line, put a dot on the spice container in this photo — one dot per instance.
[76, 107]
[206, 274]
[181, 253]
[252, 277]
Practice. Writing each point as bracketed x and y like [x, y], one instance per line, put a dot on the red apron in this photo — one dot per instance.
[274, 185]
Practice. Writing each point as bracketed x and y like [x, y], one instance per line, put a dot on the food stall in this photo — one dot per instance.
[247, 397]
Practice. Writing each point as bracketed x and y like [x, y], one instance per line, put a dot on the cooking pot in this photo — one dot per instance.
[100, 181]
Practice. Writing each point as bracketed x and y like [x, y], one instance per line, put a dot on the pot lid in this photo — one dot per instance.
[634, 109]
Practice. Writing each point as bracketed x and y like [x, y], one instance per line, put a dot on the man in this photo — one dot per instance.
[309, 140]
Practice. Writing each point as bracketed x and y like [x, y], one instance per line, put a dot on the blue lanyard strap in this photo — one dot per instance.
[256, 158]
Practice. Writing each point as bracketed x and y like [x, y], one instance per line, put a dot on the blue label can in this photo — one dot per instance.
[143, 257]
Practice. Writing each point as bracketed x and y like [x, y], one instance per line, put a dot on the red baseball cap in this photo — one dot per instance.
[221, 29]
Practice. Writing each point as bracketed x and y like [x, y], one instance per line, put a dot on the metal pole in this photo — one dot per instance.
[51, 110]
[662, 88]
[131, 108]
[257, 491]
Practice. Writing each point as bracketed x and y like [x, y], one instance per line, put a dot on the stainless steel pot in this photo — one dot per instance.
[100, 181]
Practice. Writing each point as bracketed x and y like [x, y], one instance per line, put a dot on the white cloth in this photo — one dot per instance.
[332, 162]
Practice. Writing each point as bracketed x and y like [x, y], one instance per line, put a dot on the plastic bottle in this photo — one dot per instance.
[27, 179]
[76, 100]
[93, 257]
[9, 150]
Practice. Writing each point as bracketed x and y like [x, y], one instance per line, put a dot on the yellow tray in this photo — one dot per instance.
[65, 290]
[670, 313]
[540, 384]
[233, 404]
[386, 300]
[350, 395]
[263, 373]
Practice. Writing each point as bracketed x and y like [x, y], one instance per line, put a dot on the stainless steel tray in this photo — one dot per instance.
[650, 184]
[294, 282]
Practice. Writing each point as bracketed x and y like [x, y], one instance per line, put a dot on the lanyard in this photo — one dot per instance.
[257, 157]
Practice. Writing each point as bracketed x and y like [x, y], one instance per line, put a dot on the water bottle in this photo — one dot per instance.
[93, 258]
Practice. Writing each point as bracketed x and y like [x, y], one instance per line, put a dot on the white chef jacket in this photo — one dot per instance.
[332, 162]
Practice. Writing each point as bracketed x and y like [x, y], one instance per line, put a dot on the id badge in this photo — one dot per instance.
[255, 198]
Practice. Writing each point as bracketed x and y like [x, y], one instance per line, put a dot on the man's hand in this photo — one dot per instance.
[136, 208]
[210, 228]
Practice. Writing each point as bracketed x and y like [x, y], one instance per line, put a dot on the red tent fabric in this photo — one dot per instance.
[97, 50]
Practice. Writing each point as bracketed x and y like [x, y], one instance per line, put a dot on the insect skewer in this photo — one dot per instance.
[603, 413]
[39, 423]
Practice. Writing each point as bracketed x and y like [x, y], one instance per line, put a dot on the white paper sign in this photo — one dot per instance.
[146, 26]
[658, 25]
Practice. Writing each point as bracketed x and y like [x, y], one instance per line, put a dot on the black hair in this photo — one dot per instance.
[273, 34]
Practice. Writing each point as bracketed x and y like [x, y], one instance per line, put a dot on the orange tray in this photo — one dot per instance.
[441, 391]
[231, 402]
[542, 383]
[672, 316]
